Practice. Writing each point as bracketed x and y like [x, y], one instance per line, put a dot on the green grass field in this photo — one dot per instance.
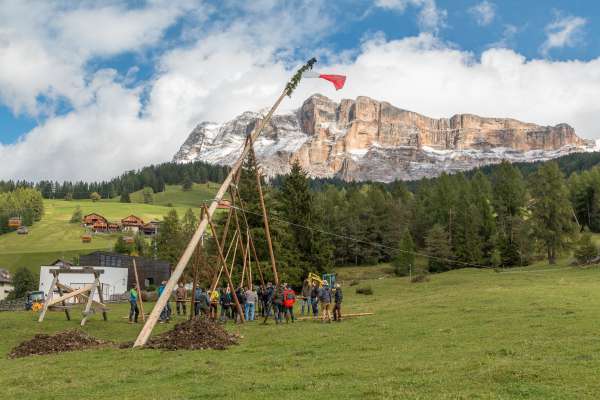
[174, 195]
[54, 237]
[465, 334]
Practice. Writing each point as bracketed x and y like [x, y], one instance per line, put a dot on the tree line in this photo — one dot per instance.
[153, 176]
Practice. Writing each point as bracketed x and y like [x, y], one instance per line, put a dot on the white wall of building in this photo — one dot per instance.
[113, 281]
[5, 289]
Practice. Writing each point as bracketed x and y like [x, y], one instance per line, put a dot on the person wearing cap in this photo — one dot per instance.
[325, 300]
[337, 308]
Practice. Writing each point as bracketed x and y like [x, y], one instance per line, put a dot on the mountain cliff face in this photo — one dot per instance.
[365, 139]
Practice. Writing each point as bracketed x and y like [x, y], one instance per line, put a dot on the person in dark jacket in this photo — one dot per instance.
[337, 308]
[268, 301]
[225, 300]
[325, 300]
[314, 300]
[239, 293]
[201, 302]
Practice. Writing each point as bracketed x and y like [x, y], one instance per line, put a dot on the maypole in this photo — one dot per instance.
[144, 334]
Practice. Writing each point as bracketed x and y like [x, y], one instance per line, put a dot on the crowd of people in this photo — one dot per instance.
[267, 301]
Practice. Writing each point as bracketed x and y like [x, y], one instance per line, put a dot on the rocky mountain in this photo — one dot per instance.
[365, 139]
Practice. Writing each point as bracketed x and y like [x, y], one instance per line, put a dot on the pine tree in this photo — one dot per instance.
[510, 197]
[77, 216]
[404, 261]
[585, 250]
[125, 198]
[148, 194]
[169, 240]
[189, 224]
[122, 247]
[551, 210]
[187, 184]
[438, 249]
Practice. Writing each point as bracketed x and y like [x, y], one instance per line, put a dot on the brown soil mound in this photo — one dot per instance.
[194, 335]
[63, 341]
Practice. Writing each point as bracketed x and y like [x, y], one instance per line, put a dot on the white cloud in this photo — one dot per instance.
[44, 45]
[225, 71]
[483, 13]
[507, 39]
[430, 17]
[563, 32]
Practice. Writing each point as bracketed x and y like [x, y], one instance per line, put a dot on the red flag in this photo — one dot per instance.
[337, 80]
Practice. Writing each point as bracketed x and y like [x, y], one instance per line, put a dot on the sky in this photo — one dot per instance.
[90, 89]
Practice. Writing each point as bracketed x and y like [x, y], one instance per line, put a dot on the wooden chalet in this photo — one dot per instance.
[92, 219]
[132, 220]
[151, 227]
[114, 227]
[100, 226]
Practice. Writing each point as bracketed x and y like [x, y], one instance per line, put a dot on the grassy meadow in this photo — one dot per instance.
[54, 237]
[529, 333]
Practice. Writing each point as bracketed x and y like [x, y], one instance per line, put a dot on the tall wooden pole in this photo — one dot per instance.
[188, 252]
[265, 217]
[139, 289]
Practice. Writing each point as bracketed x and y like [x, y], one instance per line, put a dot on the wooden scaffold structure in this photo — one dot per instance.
[65, 292]
[206, 222]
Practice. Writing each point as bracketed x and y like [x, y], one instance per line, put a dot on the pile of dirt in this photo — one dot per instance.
[196, 334]
[70, 340]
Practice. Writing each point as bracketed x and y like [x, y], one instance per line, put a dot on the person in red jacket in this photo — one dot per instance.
[289, 298]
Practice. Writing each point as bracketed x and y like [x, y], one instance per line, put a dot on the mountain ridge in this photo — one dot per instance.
[366, 139]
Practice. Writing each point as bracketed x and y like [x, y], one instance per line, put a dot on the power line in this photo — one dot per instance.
[374, 244]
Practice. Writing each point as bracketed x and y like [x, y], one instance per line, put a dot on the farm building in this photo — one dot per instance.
[150, 272]
[113, 281]
[92, 219]
[132, 223]
[5, 284]
[151, 227]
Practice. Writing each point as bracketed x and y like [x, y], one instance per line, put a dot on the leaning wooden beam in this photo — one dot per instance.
[265, 217]
[74, 293]
[48, 298]
[64, 304]
[88, 306]
[218, 275]
[68, 289]
[188, 252]
[139, 290]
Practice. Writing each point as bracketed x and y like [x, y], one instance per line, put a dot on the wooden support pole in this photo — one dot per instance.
[48, 298]
[74, 293]
[218, 278]
[64, 303]
[139, 290]
[241, 206]
[228, 275]
[88, 306]
[265, 218]
[196, 262]
[101, 298]
[144, 334]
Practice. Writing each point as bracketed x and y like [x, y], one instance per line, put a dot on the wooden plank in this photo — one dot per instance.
[74, 293]
[48, 298]
[144, 334]
[60, 293]
[76, 270]
[139, 290]
[69, 289]
[343, 316]
[101, 298]
[88, 305]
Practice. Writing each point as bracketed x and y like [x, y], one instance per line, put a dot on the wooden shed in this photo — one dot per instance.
[87, 238]
[14, 222]
[132, 220]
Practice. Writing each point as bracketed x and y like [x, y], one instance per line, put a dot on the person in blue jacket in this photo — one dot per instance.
[165, 314]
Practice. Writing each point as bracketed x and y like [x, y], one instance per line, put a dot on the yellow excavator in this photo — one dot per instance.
[329, 278]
